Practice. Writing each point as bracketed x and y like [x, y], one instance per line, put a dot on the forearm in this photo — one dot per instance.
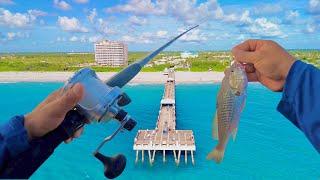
[13, 139]
[301, 100]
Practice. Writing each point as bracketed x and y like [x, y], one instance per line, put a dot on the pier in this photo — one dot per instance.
[165, 137]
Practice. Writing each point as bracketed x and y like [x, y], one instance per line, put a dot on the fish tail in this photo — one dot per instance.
[216, 154]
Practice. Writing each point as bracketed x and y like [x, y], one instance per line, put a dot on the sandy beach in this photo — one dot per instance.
[141, 78]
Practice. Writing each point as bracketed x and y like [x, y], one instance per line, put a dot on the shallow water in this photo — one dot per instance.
[267, 146]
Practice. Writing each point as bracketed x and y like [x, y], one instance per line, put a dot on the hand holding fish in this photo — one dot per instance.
[266, 62]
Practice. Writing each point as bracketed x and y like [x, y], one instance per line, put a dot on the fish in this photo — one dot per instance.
[230, 103]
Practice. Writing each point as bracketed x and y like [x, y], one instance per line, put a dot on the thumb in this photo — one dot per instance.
[69, 99]
[243, 56]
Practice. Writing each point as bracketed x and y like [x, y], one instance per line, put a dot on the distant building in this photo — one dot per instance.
[189, 54]
[111, 53]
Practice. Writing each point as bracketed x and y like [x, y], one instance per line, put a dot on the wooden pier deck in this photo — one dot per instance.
[165, 137]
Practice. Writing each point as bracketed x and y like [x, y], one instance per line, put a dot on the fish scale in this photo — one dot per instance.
[227, 111]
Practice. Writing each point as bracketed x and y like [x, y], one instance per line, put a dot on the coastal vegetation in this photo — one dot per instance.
[205, 61]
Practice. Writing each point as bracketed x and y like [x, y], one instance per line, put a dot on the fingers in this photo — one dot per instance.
[69, 99]
[248, 45]
[53, 96]
[249, 68]
[78, 133]
[244, 56]
[245, 52]
[252, 77]
[75, 135]
[68, 140]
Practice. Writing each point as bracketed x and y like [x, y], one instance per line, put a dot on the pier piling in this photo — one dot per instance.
[186, 157]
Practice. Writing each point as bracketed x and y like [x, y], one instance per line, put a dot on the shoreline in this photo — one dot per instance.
[141, 78]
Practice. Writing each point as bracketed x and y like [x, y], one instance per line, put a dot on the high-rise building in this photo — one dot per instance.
[111, 53]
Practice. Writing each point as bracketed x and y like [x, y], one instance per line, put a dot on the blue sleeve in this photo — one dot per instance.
[300, 102]
[13, 139]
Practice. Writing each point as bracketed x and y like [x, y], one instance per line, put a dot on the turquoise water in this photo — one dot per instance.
[267, 146]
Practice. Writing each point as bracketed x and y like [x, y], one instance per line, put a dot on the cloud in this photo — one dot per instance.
[145, 38]
[81, 1]
[34, 13]
[314, 6]
[134, 20]
[162, 34]
[102, 27]
[6, 2]
[19, 20]
[140, 7]
[71, 24]
[267, 9]
[259, 27]
[78, 39]
[241, 37]
[265, 28]
[292, 14]
[192, 12]
[193, 36]
[94, 39]
[243, 19]
[61, 39]
[148, 37]
[81, 39]
[73, 39]
[61, 5]
[311, 28]
[128, 39]
[10, 36]
[187, 11]
[291, 17]
[93, 14]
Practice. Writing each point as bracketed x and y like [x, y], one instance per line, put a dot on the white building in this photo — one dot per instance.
[111, 53]
[188, 54]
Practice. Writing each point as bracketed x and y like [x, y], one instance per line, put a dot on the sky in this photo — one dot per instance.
[74, 25]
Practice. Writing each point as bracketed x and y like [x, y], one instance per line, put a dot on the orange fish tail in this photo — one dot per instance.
[216, 154]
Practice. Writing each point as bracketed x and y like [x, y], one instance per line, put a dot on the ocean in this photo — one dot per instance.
[268, 146]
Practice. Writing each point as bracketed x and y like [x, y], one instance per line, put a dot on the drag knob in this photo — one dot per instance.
[113, 166]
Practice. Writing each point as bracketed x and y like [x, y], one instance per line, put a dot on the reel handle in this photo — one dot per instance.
[23, 166]
[113, 166]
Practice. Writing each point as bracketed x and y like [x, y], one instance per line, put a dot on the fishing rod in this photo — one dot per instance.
[102, 102]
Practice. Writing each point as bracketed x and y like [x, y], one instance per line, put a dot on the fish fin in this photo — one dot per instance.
[216, 155]
[234, 133]
[215, 131]
[243, 104]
